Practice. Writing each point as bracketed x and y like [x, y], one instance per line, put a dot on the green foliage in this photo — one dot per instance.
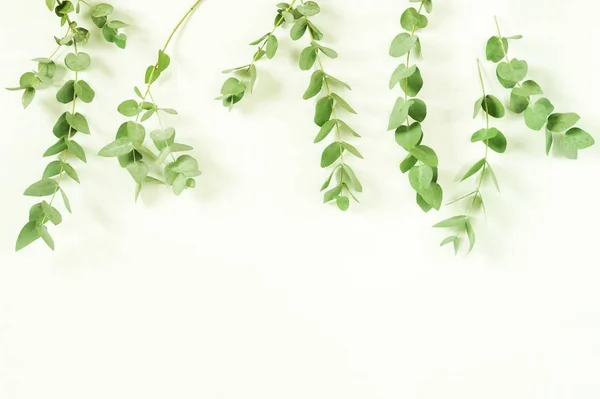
[131, 145]
[409, 112]
[243, 78]
[493, 139]
[72, 92]
[538, 113]
[342, 183]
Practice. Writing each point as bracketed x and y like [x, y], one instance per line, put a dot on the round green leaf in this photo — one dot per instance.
[577, 139]
[402, 44]
[496, 49]
[78, 62]
[492, 106]
[560, 122]
[411, 20]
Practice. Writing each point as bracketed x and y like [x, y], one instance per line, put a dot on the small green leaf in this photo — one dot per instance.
[425, 155]
[78, 122]
[510, 74]
[272, 46]
[323, 110]
[28, 96]
[408, 163]
[102, 10]
[51, 213]
[455, 240]
[78, 62]
[342, 103]
[325, 130]
[343, 203]
[470, 234]
[129, 108]
[417, 110]
[498, 143]
[76, 150]
[42, 188]
[67, 93]
[409, 136]
[331, 154]
[119, 147]
[316, 84]
[411, 20]
[496, 49]
[402, 44]
[484, 134]
[537, 114]
[528, 88]
[456, 221]
[308, 57]
[399, 113]
[474, 169]
[577, 139]
[27, 236]
[84, 92]
[420, 177]
[518, 104]
[400, 73]
[560, 122]
[493, 106]
[413, 84]
[351, 149]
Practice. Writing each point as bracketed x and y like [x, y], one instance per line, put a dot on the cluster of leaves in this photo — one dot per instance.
[559, 127]
[129, 145]
[482, 170]
[110, 27]
[68, 125]
[347, 183]
[235, 87]
[421, 163]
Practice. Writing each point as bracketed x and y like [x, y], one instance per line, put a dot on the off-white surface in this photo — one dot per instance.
[249, 287]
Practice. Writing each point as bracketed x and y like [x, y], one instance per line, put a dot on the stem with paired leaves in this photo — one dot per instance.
[493, 139]
[129, 146]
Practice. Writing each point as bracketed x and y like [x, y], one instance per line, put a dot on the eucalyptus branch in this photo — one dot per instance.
[326, 110]
[69, 123]
[235, 88]
[422, 161]
[493, 139]
[511, 73]
[129, 145]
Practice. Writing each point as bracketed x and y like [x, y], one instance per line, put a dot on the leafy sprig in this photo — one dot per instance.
[72, 93]
[511, 73]
[244, 77]
[347, 183]
[482, 170]
[129, 144]
[422, 161]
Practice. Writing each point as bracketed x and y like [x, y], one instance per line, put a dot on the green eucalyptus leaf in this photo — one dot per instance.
[402, 44]
[78, 62]
[560, 122]
[496, 49]
[577, 139]
[537, 114]
[42, 188]
[412, 21]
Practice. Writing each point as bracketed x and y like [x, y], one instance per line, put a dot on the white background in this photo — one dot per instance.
[249, 287]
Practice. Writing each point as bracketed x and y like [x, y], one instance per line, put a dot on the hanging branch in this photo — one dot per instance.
[422, 161]
[129, 146]
[72, 93]
[511, 73]
[326, 110]
[235, 88]
[491, 138]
